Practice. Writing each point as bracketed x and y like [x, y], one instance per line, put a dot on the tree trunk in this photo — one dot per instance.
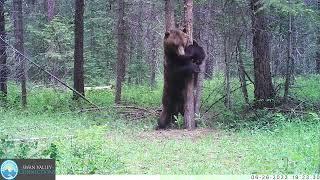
[189, 94]
[318, 48]
[197, 22]
[289, 60]
[263, 88]
[227, 101]
[241, 70]
[153, 68]
[3, 54]
[169, 15]
[277, 53]
[294, 49]
[51, 9]
[209, 40]
[78, 73]
[153, 63]
[19, 41]
[153, 45]
[121, 52]
[318, 58]
[139, 33]
[199, 78]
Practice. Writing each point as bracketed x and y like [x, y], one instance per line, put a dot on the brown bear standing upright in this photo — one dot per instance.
[179, 65]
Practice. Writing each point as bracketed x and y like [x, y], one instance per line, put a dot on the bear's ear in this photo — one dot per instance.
[184, 30]
[166, 35]
[195, 43]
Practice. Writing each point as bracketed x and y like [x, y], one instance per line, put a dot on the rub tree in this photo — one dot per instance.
[181, 61]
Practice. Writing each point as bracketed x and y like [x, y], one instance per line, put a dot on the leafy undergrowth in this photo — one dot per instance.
[307, 89]
[43, 99]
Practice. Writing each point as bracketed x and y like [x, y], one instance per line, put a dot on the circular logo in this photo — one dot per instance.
[9, 169]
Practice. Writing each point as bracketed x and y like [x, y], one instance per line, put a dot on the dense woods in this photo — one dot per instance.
[127, 49]
[138, 32]
[105, 60]
[3, 59]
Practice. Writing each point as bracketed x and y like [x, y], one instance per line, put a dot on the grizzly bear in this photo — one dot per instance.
[181, 62]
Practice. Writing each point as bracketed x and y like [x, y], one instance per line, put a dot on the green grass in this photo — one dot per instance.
[124, 147]
[105, 142]
[307, 88]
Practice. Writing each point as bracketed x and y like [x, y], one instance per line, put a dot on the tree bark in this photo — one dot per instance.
[189, 107]
[263, 88]
[199, 78]
[169, 15]
[3, 54]
[153, 66]
[51, 9]
[19, 45]
[318, 48]
[241, 70]
[209, 40]
[139, 33]
[78, 73]
[294, 51]
[227, 101]
[153, 45]
[121, 52]
[289, 60]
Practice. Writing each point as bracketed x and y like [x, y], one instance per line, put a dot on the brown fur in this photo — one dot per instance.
[175, 42]
[181, 62]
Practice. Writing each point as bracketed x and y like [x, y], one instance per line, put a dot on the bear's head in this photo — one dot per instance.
[175, 42]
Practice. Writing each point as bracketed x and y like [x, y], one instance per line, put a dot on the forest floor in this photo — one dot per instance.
[178, 134]
[133, 147]
[123, 141]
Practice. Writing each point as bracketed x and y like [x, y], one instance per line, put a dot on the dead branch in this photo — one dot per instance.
[234, 90]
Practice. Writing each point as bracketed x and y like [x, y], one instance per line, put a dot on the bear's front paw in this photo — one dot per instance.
[198, 61]
[196, 68]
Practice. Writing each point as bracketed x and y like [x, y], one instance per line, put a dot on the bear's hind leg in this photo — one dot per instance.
[166, 116]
